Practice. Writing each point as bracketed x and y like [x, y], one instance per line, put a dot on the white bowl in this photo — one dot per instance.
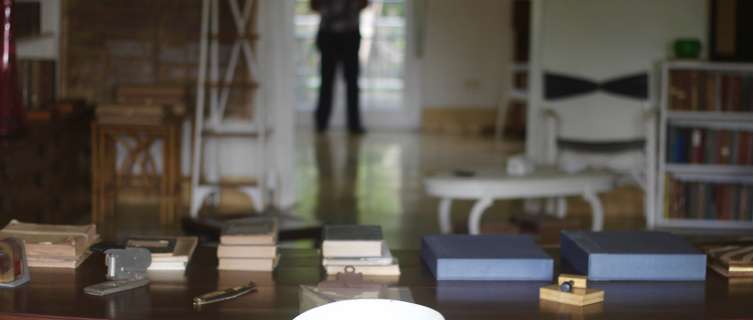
[370, 309]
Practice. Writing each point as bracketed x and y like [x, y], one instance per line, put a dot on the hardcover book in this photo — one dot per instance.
[168, 253]
[52, 240]
[485, 257]
[250, 231]
[385, 259]
[352, 241]
[632, 255]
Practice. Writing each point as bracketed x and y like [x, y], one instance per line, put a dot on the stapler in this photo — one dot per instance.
[13, 268]
[126, 269]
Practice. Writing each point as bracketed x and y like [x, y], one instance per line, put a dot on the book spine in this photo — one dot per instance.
[745, 94]
[711, 91]
[693, 90]
[735, 94]
[696, 150]
[701, 87]
[724, 93]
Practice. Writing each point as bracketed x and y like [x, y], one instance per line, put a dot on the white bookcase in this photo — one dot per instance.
[680, 204]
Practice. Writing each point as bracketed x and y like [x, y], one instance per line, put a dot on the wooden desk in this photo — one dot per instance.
[59, 293]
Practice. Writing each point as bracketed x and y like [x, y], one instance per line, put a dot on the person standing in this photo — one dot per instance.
[338, 41]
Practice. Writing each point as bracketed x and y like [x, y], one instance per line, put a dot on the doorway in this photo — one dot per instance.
[389, 75]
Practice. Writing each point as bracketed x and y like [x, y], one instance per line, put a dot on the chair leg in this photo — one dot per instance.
[477, 211]
[551, 206]
[445, 224]
[596, 209]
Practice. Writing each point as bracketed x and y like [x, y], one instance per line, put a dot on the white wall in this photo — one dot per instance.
[467, 51]
[600, 40]
[47, 46]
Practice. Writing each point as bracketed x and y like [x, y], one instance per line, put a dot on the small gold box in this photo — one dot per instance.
[577, 297]
[578, 281]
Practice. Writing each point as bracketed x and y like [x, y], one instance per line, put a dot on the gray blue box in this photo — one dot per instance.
[485, 257]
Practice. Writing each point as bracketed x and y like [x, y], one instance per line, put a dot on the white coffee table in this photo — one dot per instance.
[487, 185]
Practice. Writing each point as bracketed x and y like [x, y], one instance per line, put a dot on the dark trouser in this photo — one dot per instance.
[338, 47]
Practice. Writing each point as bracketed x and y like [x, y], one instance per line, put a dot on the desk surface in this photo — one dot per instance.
[59, 293]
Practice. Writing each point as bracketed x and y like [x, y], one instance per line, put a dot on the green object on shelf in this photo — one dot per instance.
[687, 48]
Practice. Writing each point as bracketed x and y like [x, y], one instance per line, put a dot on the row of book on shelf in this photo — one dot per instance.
[37, 79]
[709, 200]
[698, 90]
[709, 146]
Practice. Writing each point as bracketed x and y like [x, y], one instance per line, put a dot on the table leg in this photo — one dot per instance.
[561, 207]
[596, 209]
[445, 225]
[475, 219]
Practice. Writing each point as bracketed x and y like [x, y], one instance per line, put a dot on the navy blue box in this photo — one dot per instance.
[632, 255]
[485, 257]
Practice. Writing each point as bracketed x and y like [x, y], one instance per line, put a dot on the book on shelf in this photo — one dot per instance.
[37, 80]
[731, 259]
[248, 264]
[384, 259]
[715, 91]
[392, 269]
[351, 241]
[246, 251]
[690, 197]
[632, 255]
[250, 231]
[168, 253]
[485, 257]
[52, 240]
[695, 145]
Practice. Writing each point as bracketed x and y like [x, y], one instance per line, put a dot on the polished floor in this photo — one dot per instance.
[376, 179]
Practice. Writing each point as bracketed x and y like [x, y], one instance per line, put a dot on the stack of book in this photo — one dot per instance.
[53, 246]
[249, 244]
[360, 247]
[167, 253]
[730, 260]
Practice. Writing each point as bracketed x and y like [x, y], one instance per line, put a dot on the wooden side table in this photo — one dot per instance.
[108, 178]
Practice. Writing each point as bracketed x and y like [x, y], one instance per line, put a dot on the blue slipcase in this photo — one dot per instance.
[485, 257]
[633, 255]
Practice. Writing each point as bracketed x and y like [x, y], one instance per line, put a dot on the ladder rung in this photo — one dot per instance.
[230, 134]
[252, 85]
[252, 184]
[233, 134]
[233, 36]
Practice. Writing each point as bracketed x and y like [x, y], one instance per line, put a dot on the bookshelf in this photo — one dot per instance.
[706, 146]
